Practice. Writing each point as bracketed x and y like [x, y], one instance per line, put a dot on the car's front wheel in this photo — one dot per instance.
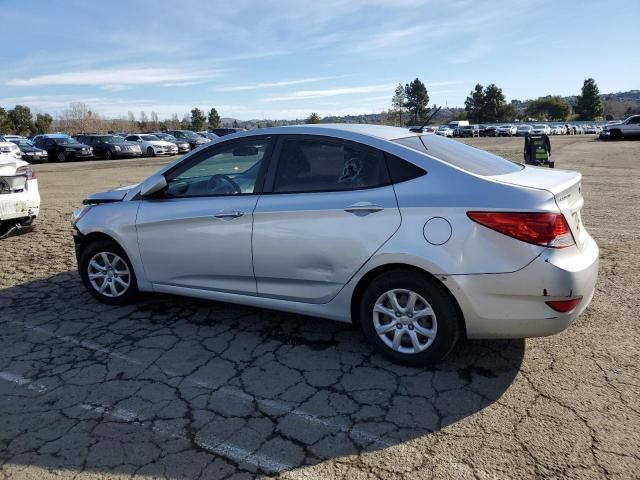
[409, 318]
[107, 154]
[107, 272]
[151, 152]
[61, 156]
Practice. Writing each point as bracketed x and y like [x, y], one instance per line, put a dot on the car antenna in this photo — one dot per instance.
[420, 129]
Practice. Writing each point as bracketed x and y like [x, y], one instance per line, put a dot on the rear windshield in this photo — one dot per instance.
[471, 159]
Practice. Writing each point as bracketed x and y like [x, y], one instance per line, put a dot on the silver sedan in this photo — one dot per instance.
[418, 239]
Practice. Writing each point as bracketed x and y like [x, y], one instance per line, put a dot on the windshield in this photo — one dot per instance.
[167, 137]
[538, 126]
[66, 141]
[524, 127]
[23, 143]
[149, 138]
[191, 135]
[113, 139]
[471, 159]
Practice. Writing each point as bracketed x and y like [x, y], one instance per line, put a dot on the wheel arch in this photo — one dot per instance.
[375, 272]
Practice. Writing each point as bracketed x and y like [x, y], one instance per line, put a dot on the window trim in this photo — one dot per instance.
[211, 150]
[273, 165]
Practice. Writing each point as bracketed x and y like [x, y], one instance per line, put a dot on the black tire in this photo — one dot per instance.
[446, 313]
[107, 154]
[107, 246]
[615, 135]
[151, 152]
[61, 157]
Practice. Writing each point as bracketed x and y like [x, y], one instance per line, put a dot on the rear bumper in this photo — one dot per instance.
[512, 305]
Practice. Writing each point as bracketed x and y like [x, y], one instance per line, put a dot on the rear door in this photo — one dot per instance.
[328, 206]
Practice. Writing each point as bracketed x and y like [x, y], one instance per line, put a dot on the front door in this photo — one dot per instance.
[197, 233]
[328, 206]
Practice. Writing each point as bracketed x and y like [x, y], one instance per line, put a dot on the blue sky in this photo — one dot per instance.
[286, 59]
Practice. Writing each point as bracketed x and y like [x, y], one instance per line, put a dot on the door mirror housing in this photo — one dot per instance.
[153, 185]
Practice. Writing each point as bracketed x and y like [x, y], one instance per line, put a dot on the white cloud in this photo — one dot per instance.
[331, 92]
[115, 77]
[283, 83]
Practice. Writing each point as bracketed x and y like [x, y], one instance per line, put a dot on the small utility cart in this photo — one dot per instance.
[537, 151]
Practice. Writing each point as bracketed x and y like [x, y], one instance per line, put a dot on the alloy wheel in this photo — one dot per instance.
[404, 321]
[109, 274]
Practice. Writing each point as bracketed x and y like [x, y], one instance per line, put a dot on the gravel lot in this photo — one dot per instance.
[190, 389]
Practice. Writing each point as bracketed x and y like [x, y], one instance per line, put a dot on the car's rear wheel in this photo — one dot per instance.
[107, 272]
[107, 154]
[151, 152]
[409, 318]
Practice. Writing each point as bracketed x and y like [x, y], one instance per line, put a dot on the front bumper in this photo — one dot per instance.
[512, 305]
[25, 204]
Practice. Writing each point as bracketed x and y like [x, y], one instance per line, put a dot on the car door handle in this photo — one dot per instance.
[228, 214]
[363, 207]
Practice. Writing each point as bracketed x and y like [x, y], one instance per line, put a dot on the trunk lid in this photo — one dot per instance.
[564, 185]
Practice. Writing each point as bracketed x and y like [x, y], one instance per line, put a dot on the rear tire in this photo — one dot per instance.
[107, 273]
[414, 332]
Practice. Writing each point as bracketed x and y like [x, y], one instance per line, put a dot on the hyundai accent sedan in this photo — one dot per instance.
[418, 239]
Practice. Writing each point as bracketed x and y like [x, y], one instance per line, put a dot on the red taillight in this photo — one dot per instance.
[546, 229]
[564, 306]
[26, 170]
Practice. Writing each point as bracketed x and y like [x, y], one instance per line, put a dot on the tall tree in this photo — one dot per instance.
[236, 124]
[143, 124]
[417, 101]
[42, 123]
[21, 120]
[398, 104]
[131, 119]
[213, 119]
[589, 106]
[5, 123]
[313, 118]
[475, 104]
[494, 104]
[198, 120]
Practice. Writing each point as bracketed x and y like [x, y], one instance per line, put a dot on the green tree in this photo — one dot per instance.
[42, 123]
[548, 108]
[494, 105]
[21, 120]
[5, 124]
[417, 101]
[198, 120]
[313, 118]
[236, 124]
[589, 105]
[507, 113]
[214, 119]
[398, 104]
[475, 104]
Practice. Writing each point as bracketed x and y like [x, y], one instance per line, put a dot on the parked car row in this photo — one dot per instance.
[511, 130]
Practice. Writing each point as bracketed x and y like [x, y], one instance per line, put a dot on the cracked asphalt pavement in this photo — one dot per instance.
[179, 388]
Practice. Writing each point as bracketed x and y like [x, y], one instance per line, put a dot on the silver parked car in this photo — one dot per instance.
[418, 239]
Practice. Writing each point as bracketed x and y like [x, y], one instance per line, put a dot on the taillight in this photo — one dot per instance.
[564, 306]
[26, 170]
[545, 229]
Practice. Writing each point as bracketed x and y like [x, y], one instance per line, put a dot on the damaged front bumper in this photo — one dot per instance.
[19, 198]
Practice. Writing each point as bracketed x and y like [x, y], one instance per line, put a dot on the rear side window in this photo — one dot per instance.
[471, 159]
[401, 170]
[319, 165]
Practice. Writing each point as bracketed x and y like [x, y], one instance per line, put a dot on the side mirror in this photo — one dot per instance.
[152, 185]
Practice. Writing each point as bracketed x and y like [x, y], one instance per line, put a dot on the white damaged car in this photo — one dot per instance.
[19, 197]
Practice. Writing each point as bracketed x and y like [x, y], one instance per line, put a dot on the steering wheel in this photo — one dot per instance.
[214, 184]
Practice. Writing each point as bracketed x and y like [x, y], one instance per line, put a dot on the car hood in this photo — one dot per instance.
[9, 164]
[115, 195]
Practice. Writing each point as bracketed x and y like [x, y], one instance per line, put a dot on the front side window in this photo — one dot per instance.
[310, 165]
[227, 170]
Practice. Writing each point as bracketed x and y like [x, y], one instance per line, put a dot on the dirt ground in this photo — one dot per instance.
[180, 388]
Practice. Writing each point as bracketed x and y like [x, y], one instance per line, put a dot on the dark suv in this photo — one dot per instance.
[63, 147]
[221, 132]
[110, 146]
[193, 138]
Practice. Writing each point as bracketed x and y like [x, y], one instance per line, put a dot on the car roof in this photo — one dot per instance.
[378, 131]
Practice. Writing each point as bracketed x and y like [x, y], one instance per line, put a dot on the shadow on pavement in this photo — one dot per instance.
[180, 387]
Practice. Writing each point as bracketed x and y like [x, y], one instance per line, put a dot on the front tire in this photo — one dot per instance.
[107, 273]
[151, 152]
[409, 318]
[61, 157]
[107, 154]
